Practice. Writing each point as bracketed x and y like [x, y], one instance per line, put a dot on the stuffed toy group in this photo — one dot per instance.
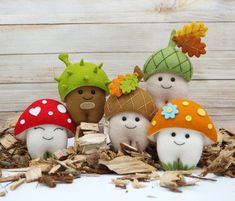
[163, 113]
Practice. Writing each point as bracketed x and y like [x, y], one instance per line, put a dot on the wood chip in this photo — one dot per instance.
[16, 184]
[89, 132]
[91, 141]
[8, 141]
[136, 184]
[47, 180]
[89, 126]
[33, 174]
[2, 194]
[61, 154]
[174, 179]
[12, 177]
[55, 169]
[127, 165]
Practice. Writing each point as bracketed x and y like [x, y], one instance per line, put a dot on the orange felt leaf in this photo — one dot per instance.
[114, 87]
[191, 45]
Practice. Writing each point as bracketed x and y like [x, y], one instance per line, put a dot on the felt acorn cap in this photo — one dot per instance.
[138, 101]
[169, 60]
[80, 74]
[126, 96]
[183, 114]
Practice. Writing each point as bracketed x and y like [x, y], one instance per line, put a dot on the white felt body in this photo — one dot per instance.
[165, 90]
[45, 138]
[129, 131]
[187, 150]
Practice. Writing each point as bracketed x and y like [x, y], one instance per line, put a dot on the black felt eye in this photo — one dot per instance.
[172, 79]
[80, 91]
[123, 118]
[92, 91]
[137, 119]
[160, 79]
[173, 134]
[187, 136]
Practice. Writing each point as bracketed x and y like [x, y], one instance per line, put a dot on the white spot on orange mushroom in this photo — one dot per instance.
[209, 126]
[35, 111]
[201, 112]
[69, 121]
[188, 118]
[44, 101]
[185, 103]
[61, 108]
[22, 121]
[50, 113]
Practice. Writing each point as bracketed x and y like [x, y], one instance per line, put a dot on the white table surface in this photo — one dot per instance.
[100, 188]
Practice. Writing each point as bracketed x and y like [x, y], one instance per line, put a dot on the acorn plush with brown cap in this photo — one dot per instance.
[129, 110]
[181, 128]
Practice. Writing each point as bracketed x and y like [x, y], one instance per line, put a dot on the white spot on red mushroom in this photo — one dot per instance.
[69, 121]
[44, 101]
[50, 113]
[61, 108]
[35, 111]
[22, 121]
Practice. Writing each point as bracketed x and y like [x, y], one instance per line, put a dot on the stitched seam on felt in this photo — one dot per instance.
[164, 59]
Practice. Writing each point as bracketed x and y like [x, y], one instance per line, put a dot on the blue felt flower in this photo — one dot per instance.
[169, 111]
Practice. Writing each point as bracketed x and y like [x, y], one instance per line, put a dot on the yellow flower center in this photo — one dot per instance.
[169, 110]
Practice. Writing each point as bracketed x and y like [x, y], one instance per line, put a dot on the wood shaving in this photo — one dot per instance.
[136, 184]
[16, 184]
[127, 165]
[175, 179]
[219, 158]
[33, 174]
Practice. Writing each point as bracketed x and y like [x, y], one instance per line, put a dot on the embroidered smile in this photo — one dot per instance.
[179, 143]
[130, 127]
[87, 98]
[47, 138]
[166, 87]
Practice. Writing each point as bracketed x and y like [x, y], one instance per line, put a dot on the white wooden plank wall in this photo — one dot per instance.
[120, 33]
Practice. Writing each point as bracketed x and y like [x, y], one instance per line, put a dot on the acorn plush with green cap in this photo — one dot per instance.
[83, 87]
[168, 71]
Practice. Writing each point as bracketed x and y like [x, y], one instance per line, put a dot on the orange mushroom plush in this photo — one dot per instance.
[181, 128]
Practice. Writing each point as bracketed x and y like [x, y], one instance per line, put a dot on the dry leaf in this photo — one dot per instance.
[191, 45]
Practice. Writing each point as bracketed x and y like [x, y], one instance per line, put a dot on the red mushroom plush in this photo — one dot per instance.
[46, 126]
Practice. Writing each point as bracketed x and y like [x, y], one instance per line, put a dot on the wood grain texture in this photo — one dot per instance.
[43, 68]
[121, 34]
[111, 11]
[33, 39]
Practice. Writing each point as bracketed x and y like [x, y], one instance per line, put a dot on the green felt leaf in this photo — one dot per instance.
[129, 84]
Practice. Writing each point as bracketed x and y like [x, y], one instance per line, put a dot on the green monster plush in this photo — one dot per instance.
[83, 87]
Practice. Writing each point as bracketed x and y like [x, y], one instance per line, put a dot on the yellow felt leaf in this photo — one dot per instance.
[194, 29]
